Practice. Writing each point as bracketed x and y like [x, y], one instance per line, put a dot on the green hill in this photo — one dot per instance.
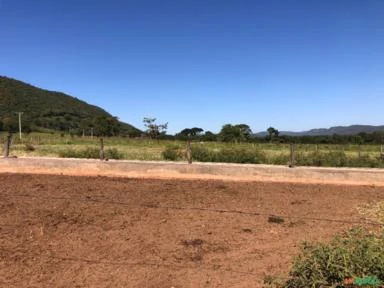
[45, 110]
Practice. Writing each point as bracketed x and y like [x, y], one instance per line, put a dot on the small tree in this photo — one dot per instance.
[272, 133]
[154, 130]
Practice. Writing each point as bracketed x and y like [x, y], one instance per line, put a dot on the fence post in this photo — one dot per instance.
[7, 145]
[102, 156]
[382, 152]
[292, 156]
[189, 152]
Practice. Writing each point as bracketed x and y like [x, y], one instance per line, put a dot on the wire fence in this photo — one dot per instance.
[327, 155]
[201, 209]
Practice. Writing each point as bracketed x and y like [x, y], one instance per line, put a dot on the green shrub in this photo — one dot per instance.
[228, 155]
[233, 155]
[365, 161]
[172, 153]
[336, 159]
[356, 254]
[279, 159]
[330, 159]
[90, 153]
[202, 154]
[113, 153]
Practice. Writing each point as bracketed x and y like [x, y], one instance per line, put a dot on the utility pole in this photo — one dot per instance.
[19, 113]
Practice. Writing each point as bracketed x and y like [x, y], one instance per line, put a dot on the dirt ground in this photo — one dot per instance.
[63, 231]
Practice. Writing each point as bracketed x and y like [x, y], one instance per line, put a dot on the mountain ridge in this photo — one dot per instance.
[46, 110]
[339, 130]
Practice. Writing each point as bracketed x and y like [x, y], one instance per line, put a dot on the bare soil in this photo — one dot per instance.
[65, 231]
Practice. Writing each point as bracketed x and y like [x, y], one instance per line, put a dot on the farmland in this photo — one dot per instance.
[68, 231]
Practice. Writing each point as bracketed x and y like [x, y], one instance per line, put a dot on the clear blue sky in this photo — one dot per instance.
[290, 64]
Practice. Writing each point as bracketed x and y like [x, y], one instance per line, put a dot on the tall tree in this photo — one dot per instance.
[245, 131]
[190, 132]
[272, 133]
[106, 126]
[235, 133]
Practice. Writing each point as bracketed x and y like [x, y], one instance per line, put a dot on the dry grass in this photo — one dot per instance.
[373, 212]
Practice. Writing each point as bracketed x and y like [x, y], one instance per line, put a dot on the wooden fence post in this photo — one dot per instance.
[292, 156]
[382, 152]
[189, 152]
[7, 145]
[102, 156]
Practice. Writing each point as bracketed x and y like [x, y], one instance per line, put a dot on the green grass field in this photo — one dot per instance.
[54, 145]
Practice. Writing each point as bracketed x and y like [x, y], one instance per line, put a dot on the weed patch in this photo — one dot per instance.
[353, 258]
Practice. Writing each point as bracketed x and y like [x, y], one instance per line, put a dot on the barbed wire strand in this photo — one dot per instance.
[203, 209]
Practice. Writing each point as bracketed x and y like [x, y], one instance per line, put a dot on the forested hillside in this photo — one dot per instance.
[48, 111]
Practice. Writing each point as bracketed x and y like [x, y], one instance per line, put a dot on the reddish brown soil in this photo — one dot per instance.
[62, 231]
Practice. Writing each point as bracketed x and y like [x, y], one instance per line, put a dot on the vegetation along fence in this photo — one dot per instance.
[70, 146]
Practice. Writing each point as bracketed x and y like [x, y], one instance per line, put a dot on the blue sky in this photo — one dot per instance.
[290, 64]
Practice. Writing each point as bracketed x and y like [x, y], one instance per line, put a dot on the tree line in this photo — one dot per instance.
[238, 133]
[242, 133]
[106, 126]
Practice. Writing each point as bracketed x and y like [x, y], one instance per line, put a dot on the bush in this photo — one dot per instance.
[365, 161]
[172, 153]
[88, 152]
[280, 159]
[91, 153]
[356, 256]
[29, 147]
[113, 153]
[228, 155]
[336, 159]
[202, 154]
[331, 159]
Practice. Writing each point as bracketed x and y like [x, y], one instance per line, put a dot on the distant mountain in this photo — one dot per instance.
[340, 130]
[45, 110]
